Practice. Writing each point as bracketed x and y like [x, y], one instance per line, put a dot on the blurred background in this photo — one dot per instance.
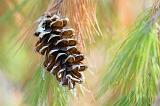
[18, 60]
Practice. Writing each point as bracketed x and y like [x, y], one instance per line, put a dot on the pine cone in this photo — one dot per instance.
[62, 58]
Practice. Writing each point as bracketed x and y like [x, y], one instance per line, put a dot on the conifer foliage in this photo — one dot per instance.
[134, 72]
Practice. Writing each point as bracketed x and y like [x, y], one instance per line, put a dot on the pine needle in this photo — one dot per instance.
[42, 88]
[82, 15]
[134, 71]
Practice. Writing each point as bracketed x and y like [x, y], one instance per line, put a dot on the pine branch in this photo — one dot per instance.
[134, 71]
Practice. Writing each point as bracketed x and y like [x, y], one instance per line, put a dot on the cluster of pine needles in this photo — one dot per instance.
[132, 76]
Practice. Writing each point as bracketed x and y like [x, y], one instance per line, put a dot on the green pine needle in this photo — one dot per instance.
[134, 71]
[44, 90]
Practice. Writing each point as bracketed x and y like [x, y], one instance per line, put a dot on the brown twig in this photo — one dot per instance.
[156, 6]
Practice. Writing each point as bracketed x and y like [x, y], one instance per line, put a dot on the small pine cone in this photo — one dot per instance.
[62, 58]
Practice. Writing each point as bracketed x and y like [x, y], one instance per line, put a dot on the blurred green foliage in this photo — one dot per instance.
[19, 64]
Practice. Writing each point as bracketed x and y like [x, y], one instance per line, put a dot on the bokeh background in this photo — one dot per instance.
[18, 61]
